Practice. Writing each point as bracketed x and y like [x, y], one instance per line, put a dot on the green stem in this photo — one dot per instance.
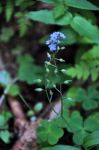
[60, 91]
[50, 101]
[22, 98]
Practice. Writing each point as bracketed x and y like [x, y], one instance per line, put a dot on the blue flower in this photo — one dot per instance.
[57, 35]
[52, 47]
[55, 40]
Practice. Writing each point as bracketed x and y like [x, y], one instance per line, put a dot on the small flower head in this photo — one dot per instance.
[57, 35]
[54, 41]
[52, 47]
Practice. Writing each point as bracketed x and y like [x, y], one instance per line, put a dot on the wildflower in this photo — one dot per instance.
[52, 47]
[57, 35]
[55, 40]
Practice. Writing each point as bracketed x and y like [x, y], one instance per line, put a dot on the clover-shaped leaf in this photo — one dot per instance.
[91, 140]
[68, 102]
[93, 93]
[89, 104]
[92, 122]
[75, 122]
[79, 137]
[89, 98]
[62, 121]
[49, 132]
[81, 95]
[76, 127]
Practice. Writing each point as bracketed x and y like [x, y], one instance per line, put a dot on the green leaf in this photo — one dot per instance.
[71, 72]
[71, 36]
[89, 63]
[85, 28]
[23, 23]
[46, 1]
[5, 78]
[94, 74]
[72, 92]
[89, 104]
[6, 34]
[81, 95]
[93, 93]
[2, 120]
[92, 140]
[82, 4]
[49, 132]
[76, 122]
[9, 10]
[42, 14]
[7, 115]
[91, 54]
[5, 136]
[61, 147]
[68, 102]
[77, 71]
[59, 9]
[25, 58]
[88, 98]
[79, 137]
[33, 74]
[28, 71]
[92, 122]
[23, 4]
[14, 90]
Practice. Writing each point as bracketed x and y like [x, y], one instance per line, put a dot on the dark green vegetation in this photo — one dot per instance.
[25, 25]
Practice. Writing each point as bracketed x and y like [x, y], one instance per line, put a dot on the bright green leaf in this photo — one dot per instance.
[92, 139]
[82, 4]
[42, 14]
[5, 136]
[49, 132]
[75, 122]
[61, 147]
[14, 90]
[2, 120]
[78, 137]
[59, 9]
[85, 28]
[92, 122]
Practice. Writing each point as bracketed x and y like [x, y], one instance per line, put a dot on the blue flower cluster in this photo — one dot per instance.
[54, 41]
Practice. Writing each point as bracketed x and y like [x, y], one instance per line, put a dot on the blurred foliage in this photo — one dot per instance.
[74, 122]
[89, 62]
[62, 147]
[5, 135]
[78, 20]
